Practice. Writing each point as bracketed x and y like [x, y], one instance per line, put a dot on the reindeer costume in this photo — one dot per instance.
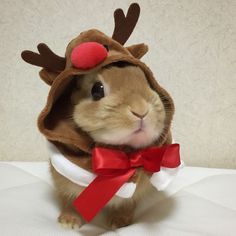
[71, 147]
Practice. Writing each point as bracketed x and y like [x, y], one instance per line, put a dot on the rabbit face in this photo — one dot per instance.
[117, 106]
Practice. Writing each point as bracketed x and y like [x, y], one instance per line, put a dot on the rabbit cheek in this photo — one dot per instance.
[84, 116]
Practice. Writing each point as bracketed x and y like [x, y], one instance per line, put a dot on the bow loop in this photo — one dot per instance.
[171, 156]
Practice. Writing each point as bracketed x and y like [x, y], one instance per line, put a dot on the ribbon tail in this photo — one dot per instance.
[98, 193]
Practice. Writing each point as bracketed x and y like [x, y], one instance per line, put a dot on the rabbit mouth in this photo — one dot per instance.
[138, 131]
[139, 138]
[141, 127]
[142, 136]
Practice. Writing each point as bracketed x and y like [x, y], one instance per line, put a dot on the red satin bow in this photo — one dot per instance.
[114, 168]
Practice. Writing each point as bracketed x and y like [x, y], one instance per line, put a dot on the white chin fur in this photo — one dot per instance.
[136, 140]
[140, 139]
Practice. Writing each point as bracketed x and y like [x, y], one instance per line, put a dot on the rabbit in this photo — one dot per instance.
[117, 108]
[102, 95]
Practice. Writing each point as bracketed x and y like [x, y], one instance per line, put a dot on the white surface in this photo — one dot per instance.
[192, 54]
[199, 201]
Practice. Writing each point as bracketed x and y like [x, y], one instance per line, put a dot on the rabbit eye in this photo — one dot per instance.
[97, 91]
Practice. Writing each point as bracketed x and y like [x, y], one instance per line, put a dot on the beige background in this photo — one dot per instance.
[192, 53]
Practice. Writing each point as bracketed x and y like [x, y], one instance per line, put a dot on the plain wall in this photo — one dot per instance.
[192, 52]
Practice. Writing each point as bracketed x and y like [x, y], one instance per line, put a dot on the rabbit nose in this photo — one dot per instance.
[141, 116]
[138, 106]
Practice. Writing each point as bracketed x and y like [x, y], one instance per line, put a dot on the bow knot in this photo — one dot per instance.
[115, 167]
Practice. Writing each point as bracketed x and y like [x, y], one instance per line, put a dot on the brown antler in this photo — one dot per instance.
[46, 58]
[124, 25]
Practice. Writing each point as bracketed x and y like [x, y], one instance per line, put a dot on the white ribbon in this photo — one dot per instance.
[82, 177]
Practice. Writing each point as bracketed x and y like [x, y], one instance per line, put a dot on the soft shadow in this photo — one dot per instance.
[155, 208]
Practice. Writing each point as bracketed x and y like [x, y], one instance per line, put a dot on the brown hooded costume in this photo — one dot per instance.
[58, 72]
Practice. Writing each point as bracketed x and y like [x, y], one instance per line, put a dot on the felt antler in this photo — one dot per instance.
[124, 25]
[46, 58]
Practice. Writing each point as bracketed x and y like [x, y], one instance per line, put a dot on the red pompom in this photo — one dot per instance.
[88, 55]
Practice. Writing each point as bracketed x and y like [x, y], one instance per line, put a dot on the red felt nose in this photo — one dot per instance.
[88, 55]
